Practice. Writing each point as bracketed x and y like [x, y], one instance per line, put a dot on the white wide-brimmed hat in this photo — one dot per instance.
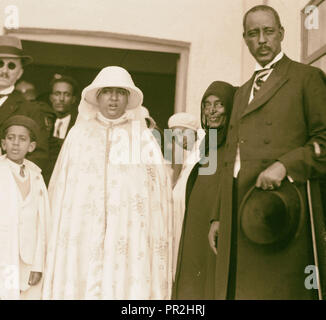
[113, 77]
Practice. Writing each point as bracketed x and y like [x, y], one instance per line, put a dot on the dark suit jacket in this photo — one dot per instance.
[281, 123]
[55, 145]
[17, 105]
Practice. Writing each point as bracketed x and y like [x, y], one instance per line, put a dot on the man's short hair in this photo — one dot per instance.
[63, 78]
[262, 8]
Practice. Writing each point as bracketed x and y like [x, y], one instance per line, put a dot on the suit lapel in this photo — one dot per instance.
[8, 108]
[72, 120]
[244, 95]
[276, 80]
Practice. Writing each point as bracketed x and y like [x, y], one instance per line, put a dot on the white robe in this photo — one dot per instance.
[112, 223]
[179, 198]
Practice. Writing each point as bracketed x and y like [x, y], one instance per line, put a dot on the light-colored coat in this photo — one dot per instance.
[22, 229]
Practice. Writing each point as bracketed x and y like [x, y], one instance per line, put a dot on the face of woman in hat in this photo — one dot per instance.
[10, 71]
[214, 111]
[112, 102]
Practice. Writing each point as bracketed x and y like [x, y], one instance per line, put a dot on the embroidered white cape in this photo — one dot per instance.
[112, 223]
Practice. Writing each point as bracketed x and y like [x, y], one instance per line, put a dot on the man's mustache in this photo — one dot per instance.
[264, 48]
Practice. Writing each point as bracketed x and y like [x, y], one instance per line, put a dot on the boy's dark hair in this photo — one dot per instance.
[262, 8]
[24, 121]
[31, 134]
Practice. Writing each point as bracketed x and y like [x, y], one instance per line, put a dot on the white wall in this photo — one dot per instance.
[213, 27]
[290, 14]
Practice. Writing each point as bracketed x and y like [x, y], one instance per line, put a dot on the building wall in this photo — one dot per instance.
[290, 14]
[212, 27]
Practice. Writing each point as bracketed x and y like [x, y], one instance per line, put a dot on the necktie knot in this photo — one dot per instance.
[260, 75]
[22, 172]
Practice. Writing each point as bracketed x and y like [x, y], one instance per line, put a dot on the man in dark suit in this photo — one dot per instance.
[277, 131]
[12, 102]
[63, 90]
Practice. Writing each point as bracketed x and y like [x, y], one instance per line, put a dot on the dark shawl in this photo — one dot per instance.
[196, 262]
[225, 92]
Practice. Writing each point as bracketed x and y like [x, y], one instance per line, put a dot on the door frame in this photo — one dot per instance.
[118, 41]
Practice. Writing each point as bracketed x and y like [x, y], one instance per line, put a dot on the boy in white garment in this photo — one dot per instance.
[24, 207]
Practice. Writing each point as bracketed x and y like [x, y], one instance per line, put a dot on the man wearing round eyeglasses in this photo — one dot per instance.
[12, 102]
[11, 69]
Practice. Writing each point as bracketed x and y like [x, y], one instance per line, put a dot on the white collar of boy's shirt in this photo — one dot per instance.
[15, 168]
[64, 127]
[6, 91]
[276, 59]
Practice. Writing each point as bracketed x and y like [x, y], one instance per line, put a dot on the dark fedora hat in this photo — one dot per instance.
[271, 218]
[11, 47]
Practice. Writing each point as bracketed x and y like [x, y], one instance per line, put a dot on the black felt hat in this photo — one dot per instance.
[271, 218]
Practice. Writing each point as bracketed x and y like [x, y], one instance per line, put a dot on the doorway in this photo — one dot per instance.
[159, 70]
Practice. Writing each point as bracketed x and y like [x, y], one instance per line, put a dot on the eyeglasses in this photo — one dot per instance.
[11, 65]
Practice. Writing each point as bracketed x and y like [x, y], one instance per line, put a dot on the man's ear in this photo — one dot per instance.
[282, 31]
[244, 38]
[3, 144]
[32, 146]
[21, 71]
[73, 99]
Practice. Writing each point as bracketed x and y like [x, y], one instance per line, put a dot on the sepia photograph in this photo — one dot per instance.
[168, 151]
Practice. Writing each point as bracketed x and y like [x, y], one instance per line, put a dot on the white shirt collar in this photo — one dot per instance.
[276, 59]
[68, 116]
[7, 90]
[15, 168]
[63, 127]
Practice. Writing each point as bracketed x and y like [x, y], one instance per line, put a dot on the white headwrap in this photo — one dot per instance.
[184, 119]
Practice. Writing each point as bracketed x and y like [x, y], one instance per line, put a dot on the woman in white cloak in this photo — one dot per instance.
[111, 201]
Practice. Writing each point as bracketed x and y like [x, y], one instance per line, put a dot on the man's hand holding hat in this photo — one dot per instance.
[271, 177]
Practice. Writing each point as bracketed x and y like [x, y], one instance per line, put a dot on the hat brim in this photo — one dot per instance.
[296, 217]
[24, 58]
[135, 98]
